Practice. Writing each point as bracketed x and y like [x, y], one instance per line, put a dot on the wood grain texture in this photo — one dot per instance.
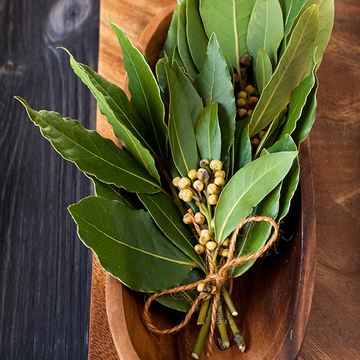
[333, 331]
[45, 271]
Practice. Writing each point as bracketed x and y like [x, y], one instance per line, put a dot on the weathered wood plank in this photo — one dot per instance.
[44, 269]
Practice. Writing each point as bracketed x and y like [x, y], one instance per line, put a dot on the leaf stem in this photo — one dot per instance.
[221, 323]
[239, 339]
[202, 335]
[229, 301]
[203, 311]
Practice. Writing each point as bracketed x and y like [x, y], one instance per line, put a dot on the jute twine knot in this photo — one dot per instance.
[218, 278]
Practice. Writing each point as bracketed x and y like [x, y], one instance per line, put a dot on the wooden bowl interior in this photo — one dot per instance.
[273, 298]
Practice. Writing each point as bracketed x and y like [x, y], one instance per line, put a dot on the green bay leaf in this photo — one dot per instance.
[263, 69]
[229, 21]
[181, 129]
[169, 219]
[208, 136]
[92, 153]
[289, 71]
[145, 92]
[265, 29]
[247, 188]
[129, 245]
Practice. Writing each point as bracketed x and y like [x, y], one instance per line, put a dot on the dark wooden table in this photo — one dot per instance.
[45, 271]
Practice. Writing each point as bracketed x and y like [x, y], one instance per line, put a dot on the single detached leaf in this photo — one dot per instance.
[183, 45]
[169, 219]
[114, 104]
[254, 235]
[289, 72]
[208, 136]
[214, 85]
[229, 21]
[129, 245]
[181, 129]
[171, 39]
[195, 33]
[266, 29]
[145, 92]
[247, 188]
[92, 153]
[263, 69]
[192, 97]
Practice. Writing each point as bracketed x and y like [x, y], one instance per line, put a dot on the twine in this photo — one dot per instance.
[218, 279]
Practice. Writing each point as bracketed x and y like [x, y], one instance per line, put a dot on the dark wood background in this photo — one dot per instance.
[45, 271]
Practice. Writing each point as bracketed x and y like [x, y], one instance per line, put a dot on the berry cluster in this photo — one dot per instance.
[204, 187]
[246, 101]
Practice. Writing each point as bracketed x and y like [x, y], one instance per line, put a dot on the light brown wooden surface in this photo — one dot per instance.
[333, 330]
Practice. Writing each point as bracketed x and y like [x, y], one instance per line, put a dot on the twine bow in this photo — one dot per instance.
[218, 279]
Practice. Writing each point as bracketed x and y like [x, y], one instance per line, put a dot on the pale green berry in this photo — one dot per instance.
[184, 183]
[211, 245]
[261, 134]
[199, 249]
[226, 242]
[213, 199]
[192, 174]
[204, 163]
[198, 185]
[202, 241]
[200, 287]
[212, 189]
[213, 290]
[199, 218]
[216, 165]
[255, 141]
[219, 173]
[186, 195]
[225, 253]
[187, 219]
[175, 181]
[242, 95]
[205, 234]
[219, 181]
[241, 102]
[203, 174]
[250, 89]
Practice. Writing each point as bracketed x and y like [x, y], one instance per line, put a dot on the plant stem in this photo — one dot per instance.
[239, 339]
[221, 323]
[203, 311]
[229, 301]
[202, 335]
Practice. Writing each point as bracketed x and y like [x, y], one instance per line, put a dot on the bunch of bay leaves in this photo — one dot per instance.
[184, 111]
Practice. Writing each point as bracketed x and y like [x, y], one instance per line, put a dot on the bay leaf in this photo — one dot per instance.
[168, 218]
[265, 29]
[263, 69]
[182, 43]
[92, 153]
[171, 39]
[214, 85]
[247, 188]
[111, 192]
[231, 30]
[306, 121]
[254, 235]
[242, 144]
[129, 245]
[289, 71]
[196, 37]
[192, 97]
[145, 92]
[114, 104]
[208, 136]
[181, 129]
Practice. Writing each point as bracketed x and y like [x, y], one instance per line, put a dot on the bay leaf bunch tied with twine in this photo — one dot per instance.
[209, 163]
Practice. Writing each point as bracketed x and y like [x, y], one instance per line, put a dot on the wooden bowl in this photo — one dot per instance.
[273, 297]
